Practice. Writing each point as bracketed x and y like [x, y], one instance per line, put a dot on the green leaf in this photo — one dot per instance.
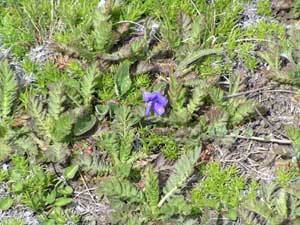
[122, 169]
[62, 127]
[71, 171]
[65, 190]
[3, 131]
[8, 90]
[50, 198]
[151, 187]
[17, 188]
[84, 124]
[62, 201]
[196, 55]
[6, 203]
[5, 151]
[182, 170]
[120, 189]
[88, 84]
[122, 79]
[56, 100]
[294, 135]
[176, 205]
[49, 222]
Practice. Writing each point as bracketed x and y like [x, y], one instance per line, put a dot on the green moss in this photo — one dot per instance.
[140, 83]
[221, 189]
[170, 149]
[246, 53]
[210, 65]
[266, 30]
[285, 176]
[264, 8]
[152, 142]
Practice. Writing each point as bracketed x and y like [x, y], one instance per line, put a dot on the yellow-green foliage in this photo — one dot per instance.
[220, 189]
[8, 91]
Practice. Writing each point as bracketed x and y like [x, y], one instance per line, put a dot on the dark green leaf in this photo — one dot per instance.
[62, 127]
[122, 79]
[5, 151]
[84, 124]
[3, 131]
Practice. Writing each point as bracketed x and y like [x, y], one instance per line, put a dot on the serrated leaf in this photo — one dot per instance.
[261, 208]
[182, 170]
[151, 186]
[6, 203]
[71, 171]
[84, 124]
[120, 189]
[62, 201]
[8, 90]
[294, 135]
[196, 55]
[88, 84]
[282, 204]
[5, 151]
[61, 127]
[122, 79]
[176, 205]
[122, 169]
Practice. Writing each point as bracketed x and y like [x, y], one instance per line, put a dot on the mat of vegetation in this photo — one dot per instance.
[149, 112]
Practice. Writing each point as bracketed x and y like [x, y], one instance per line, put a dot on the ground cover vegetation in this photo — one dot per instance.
[133, 106]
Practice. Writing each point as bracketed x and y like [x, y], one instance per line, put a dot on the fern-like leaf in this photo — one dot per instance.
[8, 90]
[241, 109]
[92, 164]
[199, 93]
[124, 119]
[5, 151]
[248, 218]
[126, 145]
[61, 127]
[39, 116]
[260, 208]
[182, 170]
[151, 187]
[110, 143]
[122, 190]
[176, 94]
[58, 153]
[102, 30]
[27, 145]
[56, 100]
[196, 55]
[88, 84]
[175, 206]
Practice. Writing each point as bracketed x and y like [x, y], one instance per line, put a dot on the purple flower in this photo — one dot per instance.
[155, 102]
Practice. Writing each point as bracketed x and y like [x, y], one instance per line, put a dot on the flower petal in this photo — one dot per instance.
[147, 96]
[158, 109]
[160, 99]
[149, 108]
